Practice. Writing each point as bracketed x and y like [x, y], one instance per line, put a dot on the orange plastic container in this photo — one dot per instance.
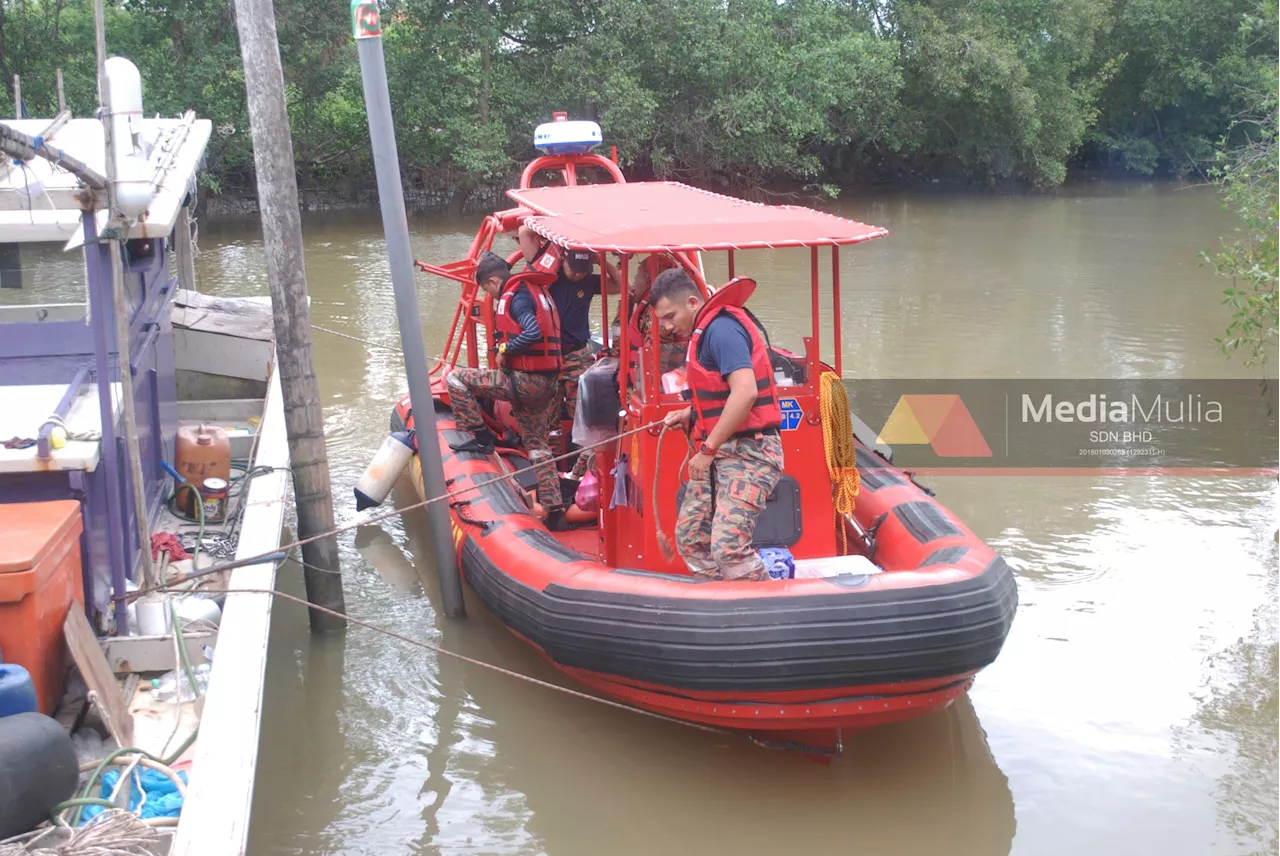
[202, 452]
[39, 581]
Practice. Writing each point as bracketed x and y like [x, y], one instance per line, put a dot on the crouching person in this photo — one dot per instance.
[524, 368]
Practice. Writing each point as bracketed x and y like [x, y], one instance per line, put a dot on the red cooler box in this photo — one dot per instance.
[39, 581]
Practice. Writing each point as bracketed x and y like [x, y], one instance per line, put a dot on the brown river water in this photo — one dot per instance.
[1133, 709]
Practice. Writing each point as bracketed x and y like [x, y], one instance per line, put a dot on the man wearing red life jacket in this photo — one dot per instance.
[735, 417]
[525, 364]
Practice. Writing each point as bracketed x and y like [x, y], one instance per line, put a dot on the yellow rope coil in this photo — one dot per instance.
[842, 459]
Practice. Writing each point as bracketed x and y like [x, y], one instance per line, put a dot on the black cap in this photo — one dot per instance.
[579, 261]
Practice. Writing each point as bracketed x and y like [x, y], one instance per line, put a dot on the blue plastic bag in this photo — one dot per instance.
[163, 799]
[779, 562]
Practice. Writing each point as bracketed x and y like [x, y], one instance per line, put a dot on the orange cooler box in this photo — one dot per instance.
[39, 581]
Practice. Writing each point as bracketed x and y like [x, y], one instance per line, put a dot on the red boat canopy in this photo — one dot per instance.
[645, 217]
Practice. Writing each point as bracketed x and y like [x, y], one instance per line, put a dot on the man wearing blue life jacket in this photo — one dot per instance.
[734, 416]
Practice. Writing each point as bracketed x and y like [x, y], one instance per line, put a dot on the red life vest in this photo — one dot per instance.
[547, 261]
[709, 390]
[542, 356]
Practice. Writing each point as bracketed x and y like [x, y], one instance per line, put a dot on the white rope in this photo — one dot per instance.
[90, 436]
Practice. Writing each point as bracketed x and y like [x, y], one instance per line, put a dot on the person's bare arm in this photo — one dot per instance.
[613, 279]
[530, 242]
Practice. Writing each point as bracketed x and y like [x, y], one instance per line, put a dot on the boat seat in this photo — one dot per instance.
[792, 365]
[780, 523]
[524, 475]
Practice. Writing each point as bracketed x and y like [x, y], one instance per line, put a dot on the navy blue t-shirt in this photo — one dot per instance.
[725, 346]
[573, 302]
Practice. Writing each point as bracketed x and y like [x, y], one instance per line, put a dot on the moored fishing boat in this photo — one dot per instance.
[86, 499]
[894, 605]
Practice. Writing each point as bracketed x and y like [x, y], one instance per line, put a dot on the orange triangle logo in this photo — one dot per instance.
[939, 421]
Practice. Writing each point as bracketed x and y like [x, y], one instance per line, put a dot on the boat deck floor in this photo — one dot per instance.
[584, 541]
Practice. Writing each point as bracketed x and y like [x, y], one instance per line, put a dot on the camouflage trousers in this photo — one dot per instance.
[719, 513]
[573, 365]
[529, 394]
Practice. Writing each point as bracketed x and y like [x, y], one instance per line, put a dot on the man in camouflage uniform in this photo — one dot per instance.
[529, 391]
[721, 506]
[736, 413]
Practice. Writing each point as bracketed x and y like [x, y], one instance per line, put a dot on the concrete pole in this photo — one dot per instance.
[282, 237]
[367, 28]
[62, 97]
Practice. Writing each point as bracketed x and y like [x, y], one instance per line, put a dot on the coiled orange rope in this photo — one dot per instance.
[842, 458]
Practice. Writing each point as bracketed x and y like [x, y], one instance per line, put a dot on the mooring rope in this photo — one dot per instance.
[272, 555]
[377, 345]
[285, 552]
[711, 729]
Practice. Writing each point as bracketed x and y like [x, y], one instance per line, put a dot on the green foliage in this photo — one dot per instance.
[1185, 70]
[743, 94]
[1001, 89]
[1247, 173]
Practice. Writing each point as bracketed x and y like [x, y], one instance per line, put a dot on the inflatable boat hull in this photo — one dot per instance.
[799, 659]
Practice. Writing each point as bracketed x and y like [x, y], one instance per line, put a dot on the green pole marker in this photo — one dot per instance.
[366, 22]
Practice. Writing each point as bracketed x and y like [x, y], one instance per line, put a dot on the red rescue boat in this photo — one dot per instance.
[895, 604]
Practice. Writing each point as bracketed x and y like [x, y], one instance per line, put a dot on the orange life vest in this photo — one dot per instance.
[542, 356]
[709, 390]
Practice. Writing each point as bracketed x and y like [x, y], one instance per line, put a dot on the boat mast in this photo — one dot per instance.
[115, 231]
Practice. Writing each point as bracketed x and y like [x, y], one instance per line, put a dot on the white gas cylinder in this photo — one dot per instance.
[383, 471]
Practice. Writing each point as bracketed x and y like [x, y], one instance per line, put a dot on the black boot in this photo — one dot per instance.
[555, 521]
[568, 491]
[481, 443]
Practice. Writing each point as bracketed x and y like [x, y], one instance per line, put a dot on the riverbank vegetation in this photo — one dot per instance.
[1246, 170]
[724, 93]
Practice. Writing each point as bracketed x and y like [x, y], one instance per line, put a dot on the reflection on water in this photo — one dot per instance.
[1133, 709]
[1239, 706]
[48, 275]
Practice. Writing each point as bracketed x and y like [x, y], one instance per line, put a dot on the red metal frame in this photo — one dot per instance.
[602, 263]
[817, 311]
[568, 166]
[463, 330]
[628, 536]
[835, 308]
